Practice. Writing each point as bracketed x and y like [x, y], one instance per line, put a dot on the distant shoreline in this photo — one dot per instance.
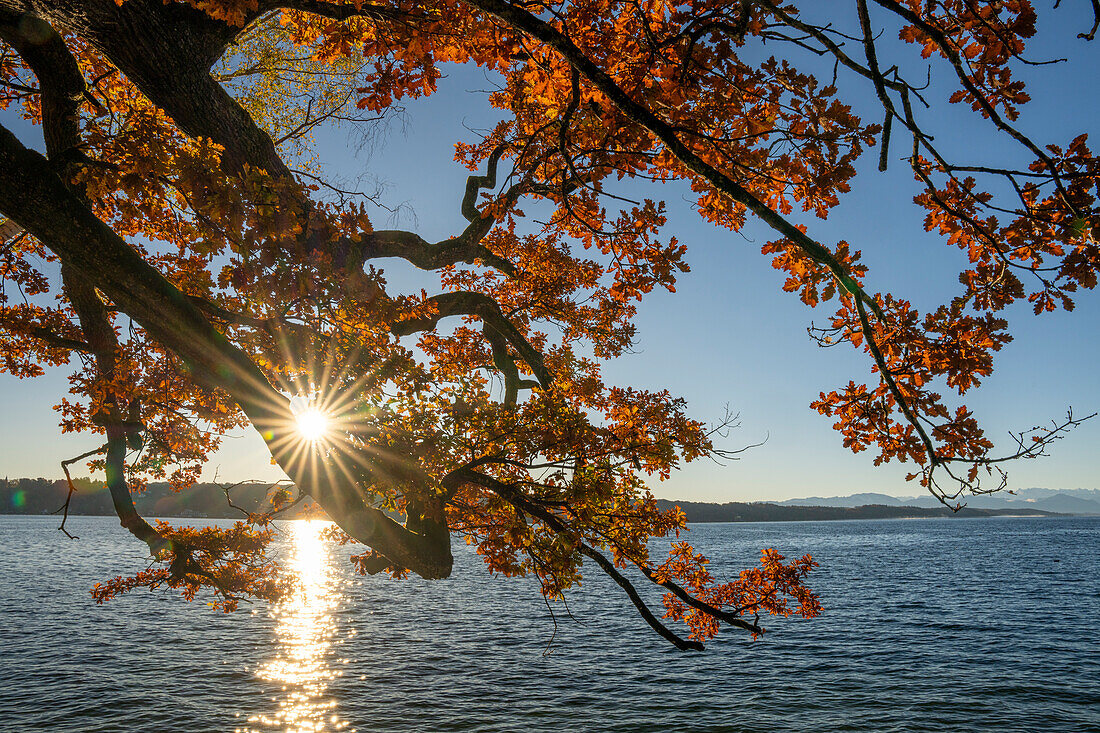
[851, 515]
[700, 512]
[44, 497]
[885, 519]
[1047, 515]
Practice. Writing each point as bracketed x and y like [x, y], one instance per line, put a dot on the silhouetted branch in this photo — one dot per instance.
[72, 487]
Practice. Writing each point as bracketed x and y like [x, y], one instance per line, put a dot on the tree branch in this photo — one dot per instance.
[39, 202]
[514, 496]
[468, 303]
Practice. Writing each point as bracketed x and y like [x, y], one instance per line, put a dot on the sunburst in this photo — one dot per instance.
[313, 425]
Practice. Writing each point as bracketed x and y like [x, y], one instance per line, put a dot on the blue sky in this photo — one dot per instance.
[730, 336]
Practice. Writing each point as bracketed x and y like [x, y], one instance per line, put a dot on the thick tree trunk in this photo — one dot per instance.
[166, 50]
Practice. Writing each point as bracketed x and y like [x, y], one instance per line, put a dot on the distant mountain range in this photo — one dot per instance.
[767, 512]
[1062, 501]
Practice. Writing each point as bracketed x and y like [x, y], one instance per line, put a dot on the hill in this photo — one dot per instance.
[1063, 501]
[46, 496]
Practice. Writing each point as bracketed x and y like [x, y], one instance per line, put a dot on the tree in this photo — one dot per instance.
[176, 240]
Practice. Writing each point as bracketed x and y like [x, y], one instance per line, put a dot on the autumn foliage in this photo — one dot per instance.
[231, 561]
[179, 246]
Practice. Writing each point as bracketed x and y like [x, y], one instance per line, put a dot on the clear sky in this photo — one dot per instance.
[729, 335]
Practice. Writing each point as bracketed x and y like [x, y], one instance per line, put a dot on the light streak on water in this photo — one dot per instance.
[305, 626]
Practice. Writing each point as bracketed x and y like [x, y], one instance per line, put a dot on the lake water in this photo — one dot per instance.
[929, 625]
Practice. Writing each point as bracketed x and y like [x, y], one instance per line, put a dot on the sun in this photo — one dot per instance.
[313, 425]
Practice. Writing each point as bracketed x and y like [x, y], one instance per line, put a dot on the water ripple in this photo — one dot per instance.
[930, 625]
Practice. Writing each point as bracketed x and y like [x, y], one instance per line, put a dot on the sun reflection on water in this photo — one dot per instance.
[305, 625]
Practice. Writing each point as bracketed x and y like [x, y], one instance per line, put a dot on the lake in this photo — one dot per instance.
[929, 625]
